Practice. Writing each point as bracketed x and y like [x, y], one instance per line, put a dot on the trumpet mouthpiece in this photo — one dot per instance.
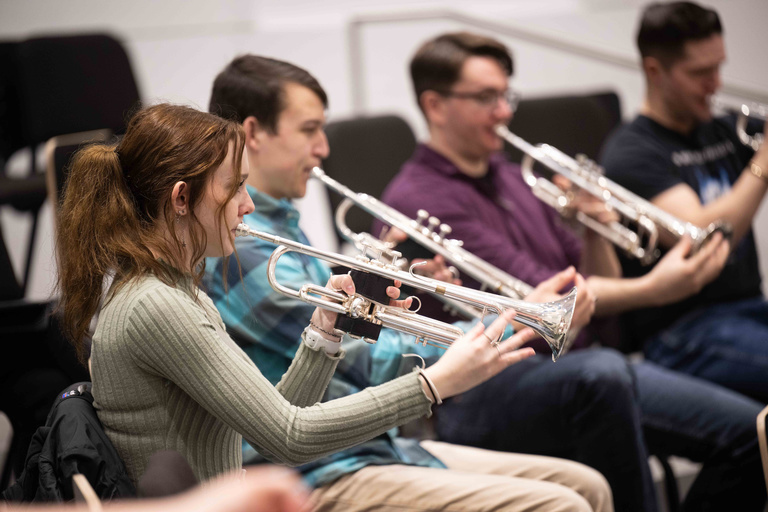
[242, 230]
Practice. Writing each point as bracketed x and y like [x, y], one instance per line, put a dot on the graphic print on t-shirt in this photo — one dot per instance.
[711, 187]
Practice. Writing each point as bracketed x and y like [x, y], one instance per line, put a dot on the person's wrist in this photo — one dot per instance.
[649, 286]
[434, 376]
[332, 335]
[324, 325]
[317, 341]
[759, 169]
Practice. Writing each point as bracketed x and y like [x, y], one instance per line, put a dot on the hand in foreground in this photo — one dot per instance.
[326, 319]
[677, 276]
[436, 268]
[472, 359]
[262, 489]
[549, 290]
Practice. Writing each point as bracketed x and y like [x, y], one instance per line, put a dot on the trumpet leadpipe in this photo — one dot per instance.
[436, 241]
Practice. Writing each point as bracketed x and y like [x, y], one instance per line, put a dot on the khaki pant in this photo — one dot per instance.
[477, 480]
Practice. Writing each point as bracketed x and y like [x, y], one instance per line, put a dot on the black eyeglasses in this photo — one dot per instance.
[488, 98]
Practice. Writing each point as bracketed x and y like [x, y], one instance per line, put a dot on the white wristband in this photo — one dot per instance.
[315, 341]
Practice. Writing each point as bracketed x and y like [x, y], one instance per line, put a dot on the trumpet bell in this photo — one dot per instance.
[555, 323]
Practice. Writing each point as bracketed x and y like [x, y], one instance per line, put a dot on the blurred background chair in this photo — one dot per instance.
[574, 124]
[366, 153]
[51, 86]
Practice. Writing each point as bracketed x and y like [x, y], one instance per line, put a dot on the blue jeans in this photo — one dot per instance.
[707, 423]
[726, 343]
[592, 406]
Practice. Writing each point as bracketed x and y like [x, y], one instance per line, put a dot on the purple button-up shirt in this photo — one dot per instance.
[497, 216]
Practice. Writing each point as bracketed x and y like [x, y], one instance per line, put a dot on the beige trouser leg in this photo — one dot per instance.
[477, 480]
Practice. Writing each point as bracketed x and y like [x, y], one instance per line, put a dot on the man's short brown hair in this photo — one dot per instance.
[251, 85]
[666, 27]
[437, 63]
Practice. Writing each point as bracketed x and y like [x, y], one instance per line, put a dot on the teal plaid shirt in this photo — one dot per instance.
[268, 326]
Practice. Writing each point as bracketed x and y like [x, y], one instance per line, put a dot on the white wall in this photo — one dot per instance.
[178, 46]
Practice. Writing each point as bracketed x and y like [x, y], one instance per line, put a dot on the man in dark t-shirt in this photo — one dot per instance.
[692, 165]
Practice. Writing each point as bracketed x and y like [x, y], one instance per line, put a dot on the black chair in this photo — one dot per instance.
[37, 361]
[366, 153]
[11, 138]
[574, 124]
[58, 152]
[72, 84]
[23, 194]
[51, 86]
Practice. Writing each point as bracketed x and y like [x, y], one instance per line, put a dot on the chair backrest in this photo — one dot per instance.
[10, 289]
[366, 153]
[71, 84]
[577, 124]
[58, 154]
[11, 138]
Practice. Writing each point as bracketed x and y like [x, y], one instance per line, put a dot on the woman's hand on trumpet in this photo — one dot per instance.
[473, 358]
[325, 319]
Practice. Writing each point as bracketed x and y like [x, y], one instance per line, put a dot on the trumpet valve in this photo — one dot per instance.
[421, 216]
[395, 256]
[358, 307]
[370, 251]
[433, 223]
[445, 230]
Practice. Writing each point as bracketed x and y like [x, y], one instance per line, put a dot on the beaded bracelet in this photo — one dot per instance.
[320, 329]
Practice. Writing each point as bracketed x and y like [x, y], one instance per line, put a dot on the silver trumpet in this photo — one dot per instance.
[425, 230]
[551, 320]
[652, 222]
[745, 112]
[753, 110]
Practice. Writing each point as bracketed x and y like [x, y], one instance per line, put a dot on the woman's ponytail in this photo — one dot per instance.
[97, 227]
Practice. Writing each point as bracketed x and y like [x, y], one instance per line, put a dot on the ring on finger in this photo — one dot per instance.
[493, 343]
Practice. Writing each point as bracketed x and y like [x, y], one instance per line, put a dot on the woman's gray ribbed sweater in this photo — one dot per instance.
[166, 376]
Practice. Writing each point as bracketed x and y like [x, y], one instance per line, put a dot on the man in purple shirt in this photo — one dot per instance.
[459, 176]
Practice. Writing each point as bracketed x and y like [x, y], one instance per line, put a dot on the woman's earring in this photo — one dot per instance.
[179, 213]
